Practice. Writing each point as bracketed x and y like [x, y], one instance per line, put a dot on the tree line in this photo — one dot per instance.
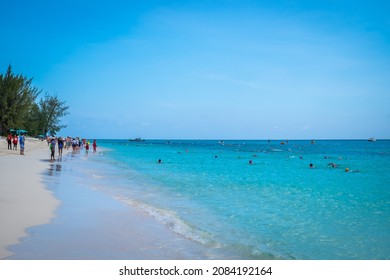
[19, 108]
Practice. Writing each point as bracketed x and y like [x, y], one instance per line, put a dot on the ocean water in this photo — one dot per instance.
[276, 208]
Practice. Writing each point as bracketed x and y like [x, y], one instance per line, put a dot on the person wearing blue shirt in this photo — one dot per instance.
[21, 143]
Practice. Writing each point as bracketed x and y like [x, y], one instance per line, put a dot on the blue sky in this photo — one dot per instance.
[207, 69]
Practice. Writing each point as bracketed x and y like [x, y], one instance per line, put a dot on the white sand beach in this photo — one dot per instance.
[24, 201]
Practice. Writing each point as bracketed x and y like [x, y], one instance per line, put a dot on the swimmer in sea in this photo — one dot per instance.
[331, 164]
[311, 165]
[250, 161]
[350, 171]
[159, 161]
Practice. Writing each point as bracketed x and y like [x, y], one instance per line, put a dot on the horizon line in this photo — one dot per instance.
[243, 139]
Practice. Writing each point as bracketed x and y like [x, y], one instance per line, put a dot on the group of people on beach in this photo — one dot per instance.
[13, 141]
[76, 144]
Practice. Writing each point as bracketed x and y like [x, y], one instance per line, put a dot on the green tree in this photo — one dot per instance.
[48, 113]
[17, 97]
[35, 120]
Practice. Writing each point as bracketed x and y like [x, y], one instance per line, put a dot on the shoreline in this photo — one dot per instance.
[88, 223]
[24, 199]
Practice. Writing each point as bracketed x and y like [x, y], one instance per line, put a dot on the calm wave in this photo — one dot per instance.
[275, 207]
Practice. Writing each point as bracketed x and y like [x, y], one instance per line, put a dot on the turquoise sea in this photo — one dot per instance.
[206, 200]
[275, 207]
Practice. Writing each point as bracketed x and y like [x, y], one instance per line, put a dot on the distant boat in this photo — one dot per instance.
[372, 139]
[137, 140]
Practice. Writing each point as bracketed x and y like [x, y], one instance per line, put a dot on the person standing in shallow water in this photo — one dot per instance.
[60, 146]
[94, 145]
[52, 149]
[86, 147]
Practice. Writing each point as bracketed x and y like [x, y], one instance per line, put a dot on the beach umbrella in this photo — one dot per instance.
[20, 131]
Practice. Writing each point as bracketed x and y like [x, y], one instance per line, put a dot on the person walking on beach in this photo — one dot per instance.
[94, 146]
[68, 143]
[60, 146]
[21, 143]
[15, 142]
[52, 149]
[9, 141]
[74, 144]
